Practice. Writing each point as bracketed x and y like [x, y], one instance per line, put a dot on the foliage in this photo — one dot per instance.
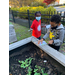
[29, 70]
[35, 4]
[26, 63]
[23, 3]
[37, 70]
[49, 1]
[23, 11]
[39, 8]
[19, 3]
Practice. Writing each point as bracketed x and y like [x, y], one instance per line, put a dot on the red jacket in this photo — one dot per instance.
[36, 26]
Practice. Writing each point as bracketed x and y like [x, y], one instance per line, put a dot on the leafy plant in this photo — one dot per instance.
[37, 71]
[22, 12]
[25, 63]
[29, 71]
[40, 70]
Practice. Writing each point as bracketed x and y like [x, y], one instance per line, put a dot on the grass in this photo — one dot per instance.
[22, 33]
[9, 21]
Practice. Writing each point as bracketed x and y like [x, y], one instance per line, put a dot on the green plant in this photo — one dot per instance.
[23, 10]
[29, 71]
[37, 71]
[26, 63]
[40, 70]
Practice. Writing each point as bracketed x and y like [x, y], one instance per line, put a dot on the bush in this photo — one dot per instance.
[36, 4]
[23, 12]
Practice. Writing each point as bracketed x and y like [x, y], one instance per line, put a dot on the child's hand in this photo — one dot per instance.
[44, 25]
[40, 41]
[50, 42]
[30, 29]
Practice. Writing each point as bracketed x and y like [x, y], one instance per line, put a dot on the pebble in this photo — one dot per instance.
[45, 61]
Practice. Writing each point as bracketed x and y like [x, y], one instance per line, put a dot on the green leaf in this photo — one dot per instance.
[30, 61]
[45, 74]
[39, 67]
[35, 70]
[22, 65]
[35, 66]
[37, 73]
[42, 71]
[19, 61]
[22, 61]
[26, 65]
[29, 69]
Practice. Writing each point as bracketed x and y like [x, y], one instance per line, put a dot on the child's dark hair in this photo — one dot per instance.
[37, 12]
[56, 19]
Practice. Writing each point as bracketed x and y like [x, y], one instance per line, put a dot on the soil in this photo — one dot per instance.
[39, 55]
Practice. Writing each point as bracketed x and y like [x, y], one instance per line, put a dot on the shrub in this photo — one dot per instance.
[23, 12]
[36, 4]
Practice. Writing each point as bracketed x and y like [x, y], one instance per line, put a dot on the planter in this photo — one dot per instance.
[45, 57]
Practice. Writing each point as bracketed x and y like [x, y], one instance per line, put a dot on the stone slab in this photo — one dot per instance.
[12, 34]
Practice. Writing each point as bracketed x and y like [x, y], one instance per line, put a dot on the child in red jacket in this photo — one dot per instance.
[36, 25]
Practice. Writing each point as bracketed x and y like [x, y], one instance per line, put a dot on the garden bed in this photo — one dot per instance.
[51, 66]
[41, 61]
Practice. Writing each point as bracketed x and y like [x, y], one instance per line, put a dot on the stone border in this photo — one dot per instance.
[50, 51]
[12, 34]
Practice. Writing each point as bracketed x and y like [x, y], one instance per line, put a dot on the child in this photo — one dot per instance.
[36, 26]
[55, 33]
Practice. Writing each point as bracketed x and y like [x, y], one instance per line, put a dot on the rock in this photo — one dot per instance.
[45, 61]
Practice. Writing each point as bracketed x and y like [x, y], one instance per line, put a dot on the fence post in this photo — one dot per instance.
[28, 18]
[13, 16]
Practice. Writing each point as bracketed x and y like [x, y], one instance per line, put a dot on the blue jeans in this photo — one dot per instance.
[39, 38]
